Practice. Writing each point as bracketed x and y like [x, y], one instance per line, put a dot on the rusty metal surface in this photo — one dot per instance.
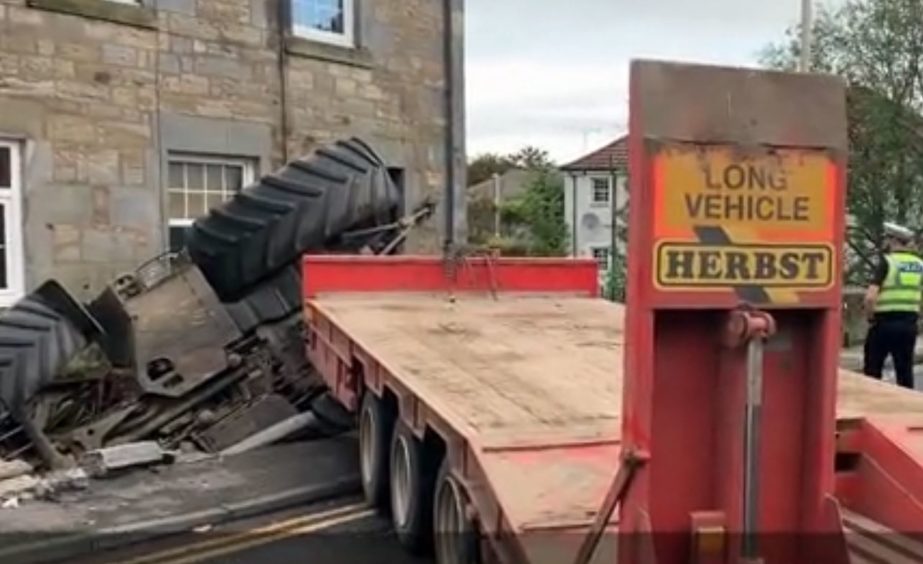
[247, 421]
[180, 330]
[741, 106]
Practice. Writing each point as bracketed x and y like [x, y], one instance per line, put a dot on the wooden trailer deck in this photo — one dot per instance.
[532, 383]
[528, 387]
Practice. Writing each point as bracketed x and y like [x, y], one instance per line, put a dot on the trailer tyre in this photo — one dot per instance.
[412, 483]
[375, 428]
[455, 535]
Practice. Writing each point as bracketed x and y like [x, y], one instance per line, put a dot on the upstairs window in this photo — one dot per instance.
[327, 21]
[601, 191]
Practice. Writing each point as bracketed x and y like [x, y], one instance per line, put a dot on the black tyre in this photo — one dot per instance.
[305, 206]
[412, 481]
[375, 428]
[455, 537]
[38, 337]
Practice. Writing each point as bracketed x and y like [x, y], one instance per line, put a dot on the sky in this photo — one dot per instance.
[554, 73]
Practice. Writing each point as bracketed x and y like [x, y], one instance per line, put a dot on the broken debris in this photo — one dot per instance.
[101, 462]
[14, 468]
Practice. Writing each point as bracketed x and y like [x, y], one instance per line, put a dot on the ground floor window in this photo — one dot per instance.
[197, 183]
[11, 243]
[601, 255]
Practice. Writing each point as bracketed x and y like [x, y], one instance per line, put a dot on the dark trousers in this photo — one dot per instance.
[897, 338]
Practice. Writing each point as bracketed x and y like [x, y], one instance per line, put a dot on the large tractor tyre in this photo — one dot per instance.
[305, 206]
[39, 335]
[412, 479]
[455, 536]
[376, 426]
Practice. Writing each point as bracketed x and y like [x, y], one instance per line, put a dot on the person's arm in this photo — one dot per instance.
[874, 289]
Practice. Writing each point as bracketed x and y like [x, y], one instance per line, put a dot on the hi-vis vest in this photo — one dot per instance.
[902, 290]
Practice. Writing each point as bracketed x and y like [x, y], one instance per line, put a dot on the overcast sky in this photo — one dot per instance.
[554, 73]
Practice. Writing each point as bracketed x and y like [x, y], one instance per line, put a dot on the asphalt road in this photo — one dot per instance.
[345, 531]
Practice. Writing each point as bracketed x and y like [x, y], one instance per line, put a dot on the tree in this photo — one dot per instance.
[485, 165]
[540, 211]
[531, 158]
[877, 46]
[531, 223]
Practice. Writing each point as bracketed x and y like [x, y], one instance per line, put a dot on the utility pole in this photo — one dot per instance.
[497, 203]
[807, 24]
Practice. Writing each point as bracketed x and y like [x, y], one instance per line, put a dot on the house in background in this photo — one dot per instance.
[595, 191]
[122, 121]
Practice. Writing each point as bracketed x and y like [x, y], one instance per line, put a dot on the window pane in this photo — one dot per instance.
[4, 283]
[178, 235]
[175, 176]
[214, 177]
[5, 168]
[234, 178]
[177, 205]
[196, 203]
[195, 174]
[324, 15]
[214, 199]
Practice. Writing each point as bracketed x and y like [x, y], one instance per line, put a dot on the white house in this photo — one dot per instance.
[595, 188]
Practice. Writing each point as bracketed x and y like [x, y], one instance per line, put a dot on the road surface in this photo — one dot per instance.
[344, 531]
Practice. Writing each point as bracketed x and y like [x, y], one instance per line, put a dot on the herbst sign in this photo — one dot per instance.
[725, 218]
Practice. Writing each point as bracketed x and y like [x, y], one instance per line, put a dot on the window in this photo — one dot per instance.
[601, 254]
[11, 245]
[601, 191]
[195, 184]
[329, 21]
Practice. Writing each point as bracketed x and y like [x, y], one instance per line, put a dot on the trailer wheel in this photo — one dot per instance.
[456, 539]
[412, 483]
[375, 427]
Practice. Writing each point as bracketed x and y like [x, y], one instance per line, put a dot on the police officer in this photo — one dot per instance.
[893, 303]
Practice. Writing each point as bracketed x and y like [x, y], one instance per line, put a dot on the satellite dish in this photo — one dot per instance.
[589, 221]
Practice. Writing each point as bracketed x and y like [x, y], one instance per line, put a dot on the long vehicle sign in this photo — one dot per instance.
[755, 222]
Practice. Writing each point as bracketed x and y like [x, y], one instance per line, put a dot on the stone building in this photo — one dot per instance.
[123, 120]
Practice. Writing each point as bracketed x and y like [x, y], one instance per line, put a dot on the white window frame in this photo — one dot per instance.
[248, 174]
[603, 267]
[345, 39]
[12, 205]
[593, 190]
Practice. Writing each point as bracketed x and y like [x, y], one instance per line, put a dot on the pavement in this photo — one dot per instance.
[147, 504]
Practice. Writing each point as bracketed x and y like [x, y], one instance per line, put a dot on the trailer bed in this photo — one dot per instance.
[520, 378]
[524, 384]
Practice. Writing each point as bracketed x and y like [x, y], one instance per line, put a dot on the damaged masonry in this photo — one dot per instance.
[200, 352]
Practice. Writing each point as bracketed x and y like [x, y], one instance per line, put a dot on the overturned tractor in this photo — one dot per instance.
[195, 349]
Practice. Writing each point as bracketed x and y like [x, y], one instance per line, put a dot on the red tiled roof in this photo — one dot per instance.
[612, 156]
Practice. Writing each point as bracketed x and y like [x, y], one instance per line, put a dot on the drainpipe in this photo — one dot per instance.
[573, 178]
[453, 63]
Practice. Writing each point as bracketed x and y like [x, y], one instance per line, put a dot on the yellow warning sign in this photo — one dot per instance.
[778, 191]
[688, 265]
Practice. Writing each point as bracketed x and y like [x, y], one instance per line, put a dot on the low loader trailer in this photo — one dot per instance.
[508, 414]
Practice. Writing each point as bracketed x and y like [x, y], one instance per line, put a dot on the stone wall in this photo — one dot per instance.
[99, 102]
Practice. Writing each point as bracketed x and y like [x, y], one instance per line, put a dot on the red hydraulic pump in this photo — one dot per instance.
[733, 319]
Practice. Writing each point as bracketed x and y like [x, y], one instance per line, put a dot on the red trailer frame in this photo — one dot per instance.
[491, 466]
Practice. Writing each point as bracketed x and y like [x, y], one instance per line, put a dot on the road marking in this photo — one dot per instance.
[212, 554]
[205, 550]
